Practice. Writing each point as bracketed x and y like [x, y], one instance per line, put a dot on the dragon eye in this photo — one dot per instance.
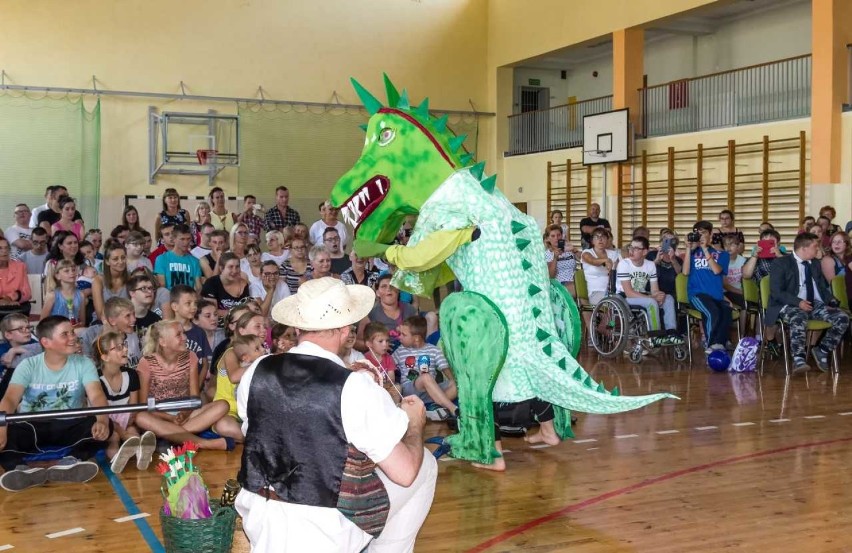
[386, 136]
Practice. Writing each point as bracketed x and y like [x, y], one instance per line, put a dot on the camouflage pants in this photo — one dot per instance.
[797, 321]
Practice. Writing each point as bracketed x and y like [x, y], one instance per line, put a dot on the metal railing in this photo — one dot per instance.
[552, 129]
[767, 92]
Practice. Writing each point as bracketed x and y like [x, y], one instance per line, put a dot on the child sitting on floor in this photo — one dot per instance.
[121, 387]
[248, 348]
[419, 363]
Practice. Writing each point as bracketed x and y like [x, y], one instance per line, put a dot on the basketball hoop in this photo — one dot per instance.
[205, 156]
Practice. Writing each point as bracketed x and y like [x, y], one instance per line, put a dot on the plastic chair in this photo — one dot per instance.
[811, 327]
[582, 289]
[751, 295]
[838, 290]
[694, 316]
[38, 294]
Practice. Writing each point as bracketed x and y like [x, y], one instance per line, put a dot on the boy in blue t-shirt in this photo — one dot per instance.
[418, 364]
[706, 269]
[178, 266]
[54, 380]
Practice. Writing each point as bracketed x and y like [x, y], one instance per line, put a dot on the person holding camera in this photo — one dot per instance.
[559, 256]
[706, 268]
[667, 262]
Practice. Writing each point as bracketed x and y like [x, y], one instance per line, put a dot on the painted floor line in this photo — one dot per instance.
[592, 448]
[540, 446]
[779, 420]
[626, 436]
[64, 533]
[706, 427]
[743, 424]
[813, 417]
[846, 414]
[586, 441]
[662, 432]
[130, 506]
[131, 517]
[574, 507]
[6, 547]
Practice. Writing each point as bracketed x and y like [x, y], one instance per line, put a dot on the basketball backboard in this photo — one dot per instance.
[605, 137]
[176, 141]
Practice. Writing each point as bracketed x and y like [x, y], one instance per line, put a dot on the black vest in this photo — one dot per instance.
[296, 445]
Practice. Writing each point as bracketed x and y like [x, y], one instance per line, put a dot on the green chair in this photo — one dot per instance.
[582, 289]
[751, 295]
[694, 316]
[838, 289]
[811, 327]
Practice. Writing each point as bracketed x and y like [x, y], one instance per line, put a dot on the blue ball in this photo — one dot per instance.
[719, 361]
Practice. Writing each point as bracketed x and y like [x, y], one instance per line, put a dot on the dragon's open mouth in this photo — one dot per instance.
[365, 200]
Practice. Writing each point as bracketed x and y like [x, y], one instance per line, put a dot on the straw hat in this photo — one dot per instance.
[325, 304]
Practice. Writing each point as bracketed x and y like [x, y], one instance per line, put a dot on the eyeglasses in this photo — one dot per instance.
[39, 242]
[28, 328]
[19, 211]
[332, 239]
[267, 274]
[143, 289]
[122, 345]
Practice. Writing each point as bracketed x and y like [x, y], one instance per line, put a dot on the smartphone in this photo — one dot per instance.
[667, 245]
[766, 249]
[561, 244]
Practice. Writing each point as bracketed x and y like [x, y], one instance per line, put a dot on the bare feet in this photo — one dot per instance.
[543, 437]
[499, 465]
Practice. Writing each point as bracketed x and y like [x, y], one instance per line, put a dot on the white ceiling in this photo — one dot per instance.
[698, 22]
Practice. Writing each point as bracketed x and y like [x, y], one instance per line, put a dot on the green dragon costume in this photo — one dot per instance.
[512, 334]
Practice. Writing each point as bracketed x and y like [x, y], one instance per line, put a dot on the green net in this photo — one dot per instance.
[46, 141]
[307, 149]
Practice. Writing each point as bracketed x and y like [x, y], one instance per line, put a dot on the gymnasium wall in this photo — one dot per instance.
[296, 50]
[525, 177]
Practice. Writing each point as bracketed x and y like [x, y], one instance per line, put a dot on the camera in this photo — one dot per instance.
[693, 236]
[561, 244]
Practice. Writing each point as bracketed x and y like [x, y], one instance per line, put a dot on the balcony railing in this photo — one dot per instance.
[552, 129]
[767, 92]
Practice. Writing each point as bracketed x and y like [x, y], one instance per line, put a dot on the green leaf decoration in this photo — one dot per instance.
[457, 141]
[548, 350]
[517, 227]
[588, 383]
[601, 388]
[466, 158]
[526, 265]
[533, 289]
[536, 312]
[578, 374]
[563, 364]
[489, 183]
[423, 109]
[403, 102]
[477, 170]
[615, 392]
[363, 127]
[541, 335]
[391, 91]
[371, 104]
[441, 123]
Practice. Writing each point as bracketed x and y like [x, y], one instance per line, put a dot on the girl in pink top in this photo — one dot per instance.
[166, 372]
[67, 210]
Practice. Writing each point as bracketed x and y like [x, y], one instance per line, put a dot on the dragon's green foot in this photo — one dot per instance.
[475, 339]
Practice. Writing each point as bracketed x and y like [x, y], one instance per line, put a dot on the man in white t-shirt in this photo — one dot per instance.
[20, 233]
[349, 468]
[203, 248]
[328, 219]
[48, 194]
[636, 279]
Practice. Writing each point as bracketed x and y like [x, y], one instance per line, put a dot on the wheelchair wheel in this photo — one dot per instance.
[609, 327]
[680, 352]
[635, 355]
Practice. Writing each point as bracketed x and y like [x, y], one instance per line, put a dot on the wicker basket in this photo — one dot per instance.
[210, 535]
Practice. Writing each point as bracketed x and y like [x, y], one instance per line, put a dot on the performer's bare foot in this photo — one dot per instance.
[545, 435]
[499, 465]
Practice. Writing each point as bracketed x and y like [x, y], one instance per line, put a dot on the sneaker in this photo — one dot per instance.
[439, 414]
[147, 447]
[23, 477]
[71, 469]
[800, 367]
[128, 449]
[677, 340]
[821, 358]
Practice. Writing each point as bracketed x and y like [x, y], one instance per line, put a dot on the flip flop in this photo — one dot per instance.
[127, 450]
[147, 446]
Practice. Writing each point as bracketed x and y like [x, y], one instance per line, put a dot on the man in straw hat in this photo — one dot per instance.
[330, 463]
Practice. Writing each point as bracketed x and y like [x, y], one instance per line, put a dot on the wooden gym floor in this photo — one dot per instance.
[741, 461]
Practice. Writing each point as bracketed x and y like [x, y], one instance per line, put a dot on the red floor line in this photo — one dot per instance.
[574, 507]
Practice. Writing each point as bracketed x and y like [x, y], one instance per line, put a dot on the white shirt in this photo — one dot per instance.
[198, 252]
[279, 259]
[256, 290]
[639, 277]
[35, 213]
[803, 294]
[597, 277]
[16, 233]
[318, 228]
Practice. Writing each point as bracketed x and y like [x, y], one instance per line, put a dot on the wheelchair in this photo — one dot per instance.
[616, 326]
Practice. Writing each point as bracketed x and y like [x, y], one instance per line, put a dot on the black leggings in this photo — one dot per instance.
[524, 413]
[28, 438]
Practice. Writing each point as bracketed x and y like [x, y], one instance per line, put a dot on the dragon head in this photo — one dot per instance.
[407, 154]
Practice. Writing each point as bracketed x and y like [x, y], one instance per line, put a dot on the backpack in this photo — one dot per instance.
[745, 356]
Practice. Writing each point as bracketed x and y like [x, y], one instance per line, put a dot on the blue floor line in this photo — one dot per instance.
[141, 523]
